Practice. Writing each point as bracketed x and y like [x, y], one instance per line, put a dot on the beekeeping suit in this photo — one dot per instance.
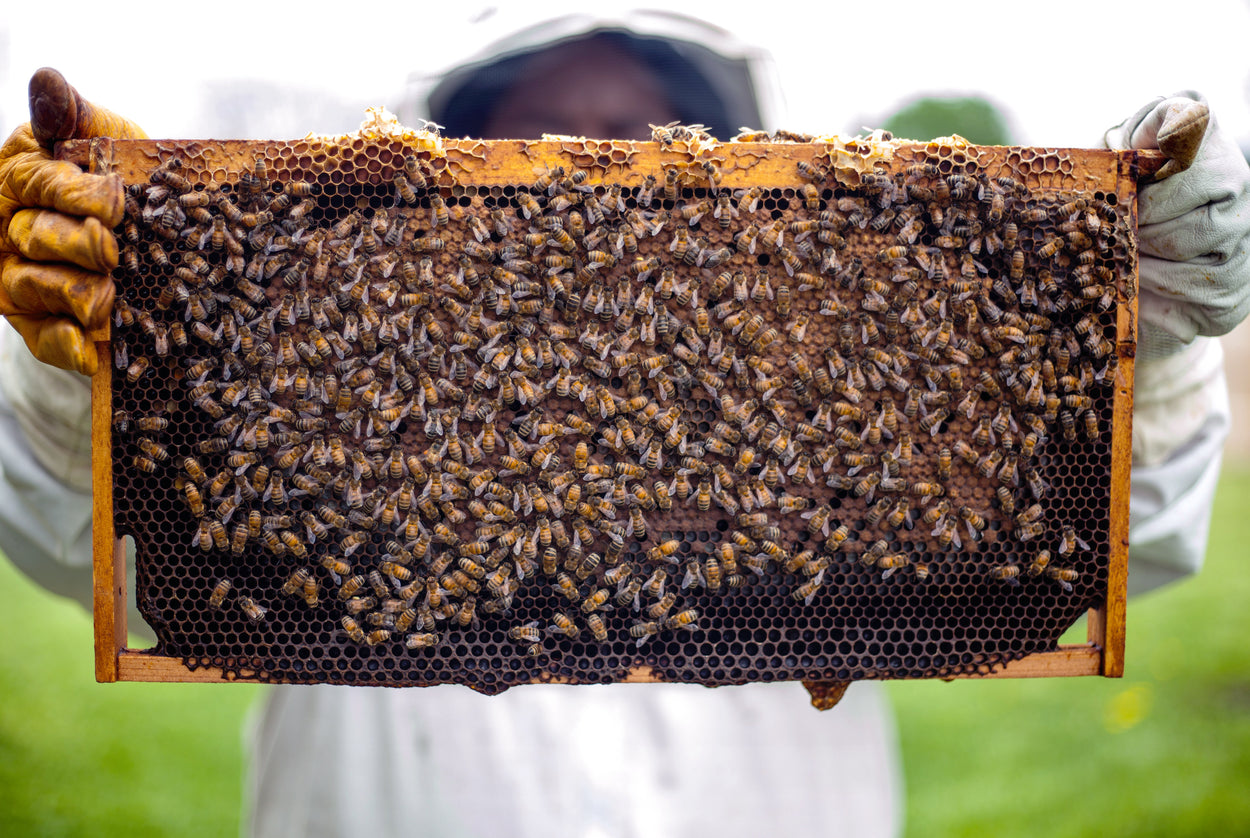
[653, 760]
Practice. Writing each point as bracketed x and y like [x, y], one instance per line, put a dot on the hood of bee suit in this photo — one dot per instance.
[711, 77]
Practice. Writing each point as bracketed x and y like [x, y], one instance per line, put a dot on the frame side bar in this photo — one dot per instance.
[1122, 451]
[108, 551]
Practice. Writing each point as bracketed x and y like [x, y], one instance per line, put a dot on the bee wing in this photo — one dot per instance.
[807, 600]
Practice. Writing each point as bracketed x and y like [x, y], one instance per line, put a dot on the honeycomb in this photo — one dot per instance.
[386, 412]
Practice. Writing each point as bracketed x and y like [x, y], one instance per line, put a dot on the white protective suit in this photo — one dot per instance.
[652, 760]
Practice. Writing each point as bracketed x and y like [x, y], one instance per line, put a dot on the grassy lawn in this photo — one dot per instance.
[1164, 751]
[81, 758]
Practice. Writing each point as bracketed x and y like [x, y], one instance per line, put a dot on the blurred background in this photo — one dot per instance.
[1060, 72]
[1165, 751]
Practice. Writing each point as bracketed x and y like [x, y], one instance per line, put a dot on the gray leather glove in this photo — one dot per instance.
[1194, 225]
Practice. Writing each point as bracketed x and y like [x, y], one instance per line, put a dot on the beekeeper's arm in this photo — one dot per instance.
[1194, 230]
[56, 249]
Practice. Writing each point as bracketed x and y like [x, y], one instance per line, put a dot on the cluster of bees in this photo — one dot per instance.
[415, 410]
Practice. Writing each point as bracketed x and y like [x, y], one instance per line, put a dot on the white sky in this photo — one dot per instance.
[840, 69]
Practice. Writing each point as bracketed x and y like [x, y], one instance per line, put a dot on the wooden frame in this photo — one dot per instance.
[508, 162]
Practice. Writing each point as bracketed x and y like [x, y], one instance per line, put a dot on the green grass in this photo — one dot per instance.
[1164, 751]
[81, 758]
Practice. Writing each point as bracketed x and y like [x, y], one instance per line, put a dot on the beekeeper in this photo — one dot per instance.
[620, 760]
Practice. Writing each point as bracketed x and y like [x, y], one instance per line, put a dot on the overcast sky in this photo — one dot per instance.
[160, 63]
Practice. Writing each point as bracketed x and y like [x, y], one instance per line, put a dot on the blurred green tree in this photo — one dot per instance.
[971, 117]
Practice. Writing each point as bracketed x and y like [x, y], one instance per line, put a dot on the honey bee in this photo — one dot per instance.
[1068, 422]
[1039, 563]
[664, 550]
[1092, 430]
[893, 253]
[703, 497]
[1006, 500]
[762, 289]
[195, 470]
[746, 456]
[1017, 265]
[874, 553]
[932, 423]
[377, 637]
[976, 524]
[868, 485]
[660, 609]
[984, 435]
[238, 538]
[527, 633]
[352, 628]
[529, 207]
[421, 640]
[654, 585]
[683, 619]
[927, 490]
[771, 238]
[567, 587]
[252, 610]
[1009, 573]
[1064, 576]
[1070, 541]
[628, 592]
[899, 515]
[892, 562]
[643, 632]
[878, 512]
[1027, 532]
[221, 590]
[464, 615]
[137, 368]
[563, 624]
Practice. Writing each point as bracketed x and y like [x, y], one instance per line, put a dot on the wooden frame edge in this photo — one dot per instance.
[1066, 661]
[1115, 607]
[108, 553]
[108, 559]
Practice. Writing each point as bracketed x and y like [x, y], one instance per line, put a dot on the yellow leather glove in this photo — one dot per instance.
[56, 242]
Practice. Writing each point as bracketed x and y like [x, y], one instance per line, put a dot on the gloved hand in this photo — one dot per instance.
[56, 241]
[1193, 225]
[1193, 233]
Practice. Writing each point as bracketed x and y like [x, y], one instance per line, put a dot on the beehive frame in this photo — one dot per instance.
[739, 167]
